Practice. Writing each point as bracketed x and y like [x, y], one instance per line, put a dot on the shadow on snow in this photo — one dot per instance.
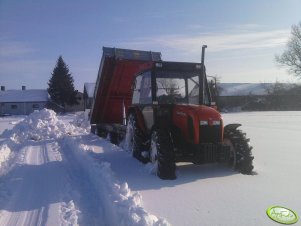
[138, 176]
[29, 187]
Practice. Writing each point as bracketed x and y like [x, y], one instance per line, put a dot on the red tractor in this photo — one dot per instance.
[172, 118]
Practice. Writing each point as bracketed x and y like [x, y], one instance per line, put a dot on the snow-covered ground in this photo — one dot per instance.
[49, 176]
[55, 173]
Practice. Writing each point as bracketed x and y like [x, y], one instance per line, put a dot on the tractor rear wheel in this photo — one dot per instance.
[241, 158]
[162, 154]
[134, 139]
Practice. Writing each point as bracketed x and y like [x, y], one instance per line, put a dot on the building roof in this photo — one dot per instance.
[242, 89]
[89, 87]
[31, 95]
[245, 89]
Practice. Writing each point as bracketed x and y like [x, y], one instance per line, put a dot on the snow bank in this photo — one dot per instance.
[69, 214]
[7, 156]
[41, 125]
[82, 120]
[4, 154]
[123, 206]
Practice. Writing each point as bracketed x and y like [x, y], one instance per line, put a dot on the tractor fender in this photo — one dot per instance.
[232, 126]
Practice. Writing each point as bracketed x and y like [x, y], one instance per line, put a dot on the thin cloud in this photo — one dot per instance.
[247, 27]
[195, 26]
[217, 41]
[120, 20]
[25, 73]
[8, 67]
[266, 75]
[228, 28]
[14, 49]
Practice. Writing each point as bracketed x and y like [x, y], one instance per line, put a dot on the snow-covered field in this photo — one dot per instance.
[55, 173]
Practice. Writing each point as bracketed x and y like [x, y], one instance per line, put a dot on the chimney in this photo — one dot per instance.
[23, 87]
[2, 88]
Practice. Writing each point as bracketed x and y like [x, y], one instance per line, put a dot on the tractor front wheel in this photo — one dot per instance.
[162, 154]
[241, 158]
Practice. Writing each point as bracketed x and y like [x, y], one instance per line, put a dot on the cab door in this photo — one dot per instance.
[142, 97]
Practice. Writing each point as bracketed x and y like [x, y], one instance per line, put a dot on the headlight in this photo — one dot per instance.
[159, 65]
[203, 123]
[216, 123]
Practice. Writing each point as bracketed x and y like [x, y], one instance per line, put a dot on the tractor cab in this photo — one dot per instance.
[170, 95]
[171, 83]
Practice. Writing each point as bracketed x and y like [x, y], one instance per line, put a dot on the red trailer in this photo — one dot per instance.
[113, 90]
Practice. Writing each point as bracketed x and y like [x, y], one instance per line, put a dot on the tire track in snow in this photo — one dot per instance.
[37, 188]
[90, 201]
[36, 217]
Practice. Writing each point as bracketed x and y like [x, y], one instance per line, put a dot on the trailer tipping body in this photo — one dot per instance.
[113, 90]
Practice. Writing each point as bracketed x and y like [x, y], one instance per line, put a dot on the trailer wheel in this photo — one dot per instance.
[162, 154]
[100, 132]
[241, 158]
[114, 138]
[134, 139]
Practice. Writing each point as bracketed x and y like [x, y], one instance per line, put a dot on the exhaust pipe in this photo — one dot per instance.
[202, 77]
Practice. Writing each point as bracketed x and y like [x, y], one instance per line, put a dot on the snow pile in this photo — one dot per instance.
[95, 193]
[7, 156]
[4, 154]
[41, 125]
[123, 206]
[82, 120]
[69, 214]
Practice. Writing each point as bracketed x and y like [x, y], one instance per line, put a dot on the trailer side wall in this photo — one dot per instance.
[113, 88]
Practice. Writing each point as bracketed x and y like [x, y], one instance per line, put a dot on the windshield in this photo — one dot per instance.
[178, 88]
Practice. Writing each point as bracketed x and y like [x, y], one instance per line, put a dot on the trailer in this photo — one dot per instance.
[113, 89]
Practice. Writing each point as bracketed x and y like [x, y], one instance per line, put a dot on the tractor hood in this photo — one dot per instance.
[191, 120]
[197, 112]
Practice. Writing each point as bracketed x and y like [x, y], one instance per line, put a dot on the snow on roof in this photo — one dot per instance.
[31, 95]
[89, 87]
[243, 89]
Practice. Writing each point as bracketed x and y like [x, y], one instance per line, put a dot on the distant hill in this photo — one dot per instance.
[258, 96]
[245, 89]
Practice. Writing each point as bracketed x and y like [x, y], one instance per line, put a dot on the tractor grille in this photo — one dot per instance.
[210, 134]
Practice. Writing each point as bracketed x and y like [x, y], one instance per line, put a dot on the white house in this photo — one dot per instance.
[22, 102]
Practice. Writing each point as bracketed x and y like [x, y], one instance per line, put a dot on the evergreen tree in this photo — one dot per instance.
[60, 86]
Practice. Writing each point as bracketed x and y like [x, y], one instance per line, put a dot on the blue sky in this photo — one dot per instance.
[242, 36]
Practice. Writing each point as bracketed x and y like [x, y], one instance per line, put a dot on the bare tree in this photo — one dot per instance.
[170, 86]
[291, 57]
